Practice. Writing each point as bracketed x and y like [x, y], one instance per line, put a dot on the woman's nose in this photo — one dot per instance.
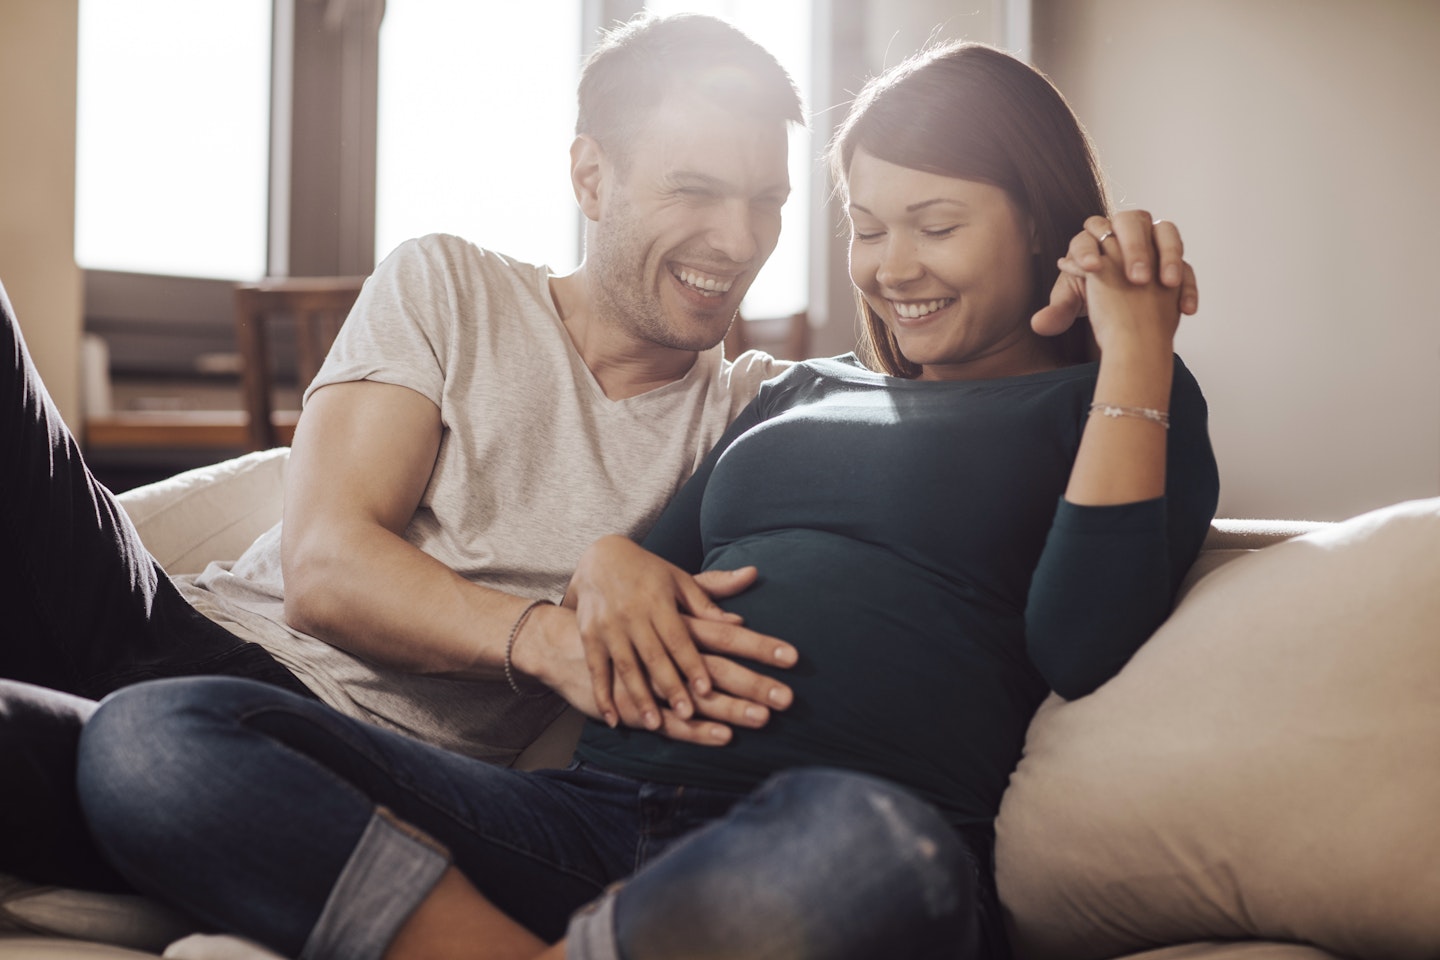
[898, 264]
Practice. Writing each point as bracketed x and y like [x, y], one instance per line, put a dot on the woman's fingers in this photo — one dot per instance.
[1171, 250]
[1134, 232]
[683, 656]
[1189, 292]
[1146, 247]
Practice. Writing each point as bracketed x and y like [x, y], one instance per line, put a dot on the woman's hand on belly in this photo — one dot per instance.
[650, 629]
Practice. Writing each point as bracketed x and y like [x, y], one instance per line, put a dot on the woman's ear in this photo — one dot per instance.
[586, 173]
[1034, 236]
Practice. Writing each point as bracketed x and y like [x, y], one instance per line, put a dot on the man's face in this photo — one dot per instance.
[686, 219]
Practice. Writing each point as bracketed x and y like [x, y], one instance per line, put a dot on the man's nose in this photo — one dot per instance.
[733, 231]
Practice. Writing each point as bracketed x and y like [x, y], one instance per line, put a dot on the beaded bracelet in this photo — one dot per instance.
[1112, 411]
[510, 650]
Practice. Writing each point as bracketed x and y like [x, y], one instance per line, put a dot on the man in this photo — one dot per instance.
[478, 423]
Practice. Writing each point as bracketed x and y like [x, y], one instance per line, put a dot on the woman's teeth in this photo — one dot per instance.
[914, 311]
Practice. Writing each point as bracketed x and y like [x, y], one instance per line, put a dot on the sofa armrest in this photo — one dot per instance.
[209, 513]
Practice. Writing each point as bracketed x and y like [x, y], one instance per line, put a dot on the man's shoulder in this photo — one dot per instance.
[745, 373]
[448, 250]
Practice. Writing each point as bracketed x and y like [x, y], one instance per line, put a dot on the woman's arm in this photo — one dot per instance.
[1140, 496]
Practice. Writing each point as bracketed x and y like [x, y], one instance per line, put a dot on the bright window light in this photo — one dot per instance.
[477, 111]
[784, 29]
[172, 138]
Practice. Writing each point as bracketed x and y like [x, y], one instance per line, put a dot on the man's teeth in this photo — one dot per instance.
[703, 283]
[914, 311]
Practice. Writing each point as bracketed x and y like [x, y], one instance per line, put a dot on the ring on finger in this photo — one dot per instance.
[1104, 236]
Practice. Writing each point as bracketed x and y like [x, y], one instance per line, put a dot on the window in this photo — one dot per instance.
[476, 115]
[173, 136]
[784, 29]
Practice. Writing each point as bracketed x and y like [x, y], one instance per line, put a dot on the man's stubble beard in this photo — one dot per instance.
[625, 296]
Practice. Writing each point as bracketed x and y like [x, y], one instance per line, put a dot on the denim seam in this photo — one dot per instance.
[591, 934]
[390, 872]
[416, 795]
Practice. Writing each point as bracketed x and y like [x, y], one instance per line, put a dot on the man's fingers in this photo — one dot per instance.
[707, 733]
[744, 684]
[737, 641]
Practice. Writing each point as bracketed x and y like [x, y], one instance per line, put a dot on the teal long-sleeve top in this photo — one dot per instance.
[913, 543]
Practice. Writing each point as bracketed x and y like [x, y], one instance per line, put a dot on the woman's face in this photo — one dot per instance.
[948, 265]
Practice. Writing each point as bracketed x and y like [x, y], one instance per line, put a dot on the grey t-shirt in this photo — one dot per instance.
[535, 463]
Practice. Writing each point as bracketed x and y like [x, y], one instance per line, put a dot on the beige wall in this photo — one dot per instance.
[1296, 144]
[37, 186]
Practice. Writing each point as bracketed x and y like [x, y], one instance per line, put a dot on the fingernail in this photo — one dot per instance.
[779, 696]
[719, 734]
[701, 686]
[652, 720]
[1172, 275]
[1190, 306]
[784, 655]
[611, 720]
[683, 708]
[1139, 273]
[756, 713]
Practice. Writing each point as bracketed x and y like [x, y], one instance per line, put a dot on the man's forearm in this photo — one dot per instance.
[371, 593]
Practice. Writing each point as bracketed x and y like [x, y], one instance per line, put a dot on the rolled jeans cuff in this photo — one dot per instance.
[391, 870]
[591, 935]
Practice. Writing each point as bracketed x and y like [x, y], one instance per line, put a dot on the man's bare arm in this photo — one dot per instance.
[361, 459]
[362, 456]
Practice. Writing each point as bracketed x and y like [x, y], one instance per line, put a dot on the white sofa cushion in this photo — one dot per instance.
[1263, 768]
[209, 513]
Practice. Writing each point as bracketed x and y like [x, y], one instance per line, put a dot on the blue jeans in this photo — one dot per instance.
[84, 609]
[272, 816]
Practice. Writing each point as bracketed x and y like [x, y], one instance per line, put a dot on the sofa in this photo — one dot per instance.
[1257, 784]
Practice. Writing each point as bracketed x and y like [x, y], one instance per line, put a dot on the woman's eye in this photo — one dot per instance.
[938, 232]
[863, 236]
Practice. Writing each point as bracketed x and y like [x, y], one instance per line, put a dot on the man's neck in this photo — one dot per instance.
[623, 364]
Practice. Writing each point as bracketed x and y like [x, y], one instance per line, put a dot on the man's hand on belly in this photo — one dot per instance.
[649, 629]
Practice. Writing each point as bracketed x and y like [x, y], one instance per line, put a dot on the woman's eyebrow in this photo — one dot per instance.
[921, 205]
[937, 200]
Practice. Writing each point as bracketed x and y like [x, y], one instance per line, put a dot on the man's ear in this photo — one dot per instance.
[587, 161]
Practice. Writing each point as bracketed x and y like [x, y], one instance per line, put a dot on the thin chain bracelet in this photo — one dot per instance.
[1113, 410]
[510, 650]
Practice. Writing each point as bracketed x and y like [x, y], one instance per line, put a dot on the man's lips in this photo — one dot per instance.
[705, 284]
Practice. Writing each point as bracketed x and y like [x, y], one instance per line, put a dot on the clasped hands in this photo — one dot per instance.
[655, 650]
[1127, 254]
